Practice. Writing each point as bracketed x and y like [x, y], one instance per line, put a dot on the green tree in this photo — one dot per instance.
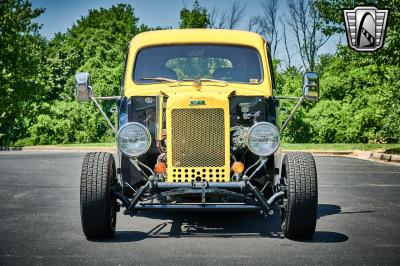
[361, 87]
[21, 65]
[367, 98]
[97, 43]
[195, 18]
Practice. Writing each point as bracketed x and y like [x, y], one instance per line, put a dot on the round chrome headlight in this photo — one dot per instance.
[263, 139]
[133, 139]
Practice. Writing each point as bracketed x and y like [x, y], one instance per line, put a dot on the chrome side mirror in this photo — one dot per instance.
[311, 86]
[83, 89]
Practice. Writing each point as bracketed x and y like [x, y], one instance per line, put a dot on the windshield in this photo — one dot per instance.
[189, 62]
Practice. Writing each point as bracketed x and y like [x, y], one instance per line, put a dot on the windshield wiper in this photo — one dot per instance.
[160, 79]
[208, 80]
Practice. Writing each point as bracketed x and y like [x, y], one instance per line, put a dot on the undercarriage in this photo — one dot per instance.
[197, 196]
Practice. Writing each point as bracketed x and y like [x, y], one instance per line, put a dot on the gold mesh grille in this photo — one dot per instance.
[198, 137]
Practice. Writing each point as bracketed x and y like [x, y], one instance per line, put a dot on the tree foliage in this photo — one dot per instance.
[21, 60]
[359, 102]
[195, 18]
[40, 88]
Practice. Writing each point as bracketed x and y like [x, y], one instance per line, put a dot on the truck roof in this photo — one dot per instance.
[197, 36]
[180, 36]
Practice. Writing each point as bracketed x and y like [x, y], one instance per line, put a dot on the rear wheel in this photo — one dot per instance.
[299, 215]
[98, 206]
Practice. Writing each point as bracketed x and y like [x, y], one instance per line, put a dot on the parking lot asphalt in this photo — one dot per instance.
[358, 221]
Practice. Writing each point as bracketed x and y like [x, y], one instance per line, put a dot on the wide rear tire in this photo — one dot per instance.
[98, 206]
[299, 216]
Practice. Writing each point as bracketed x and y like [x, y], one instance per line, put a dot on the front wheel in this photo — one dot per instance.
[98, 206]
[299, 215]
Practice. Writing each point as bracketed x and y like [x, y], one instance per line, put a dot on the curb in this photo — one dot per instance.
[57, 149]
[394, 158]
[324, 153]
[386, 157]
[363, 155]
[86, 149]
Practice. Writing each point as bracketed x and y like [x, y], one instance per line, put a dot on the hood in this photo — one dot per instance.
[206, 88]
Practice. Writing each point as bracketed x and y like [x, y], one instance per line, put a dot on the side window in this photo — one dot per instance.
[272, 104]
[271, 67]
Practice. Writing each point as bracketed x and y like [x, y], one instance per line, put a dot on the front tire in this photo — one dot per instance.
[98, 206]
[299, 216]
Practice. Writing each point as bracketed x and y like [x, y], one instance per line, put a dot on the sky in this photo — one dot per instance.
[60, 15]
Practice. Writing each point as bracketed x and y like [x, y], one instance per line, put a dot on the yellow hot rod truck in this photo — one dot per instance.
[197, 130]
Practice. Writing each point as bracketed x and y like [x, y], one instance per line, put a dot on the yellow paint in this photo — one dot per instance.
[197, 36]
[180, 95]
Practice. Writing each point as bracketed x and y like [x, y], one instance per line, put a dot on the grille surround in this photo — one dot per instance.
[198, 137]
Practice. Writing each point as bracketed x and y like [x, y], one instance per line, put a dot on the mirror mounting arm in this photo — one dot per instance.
[310, 92]
[292, 98]
[109, 98]
[290, 117]
[84, 93]
[102, 112]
